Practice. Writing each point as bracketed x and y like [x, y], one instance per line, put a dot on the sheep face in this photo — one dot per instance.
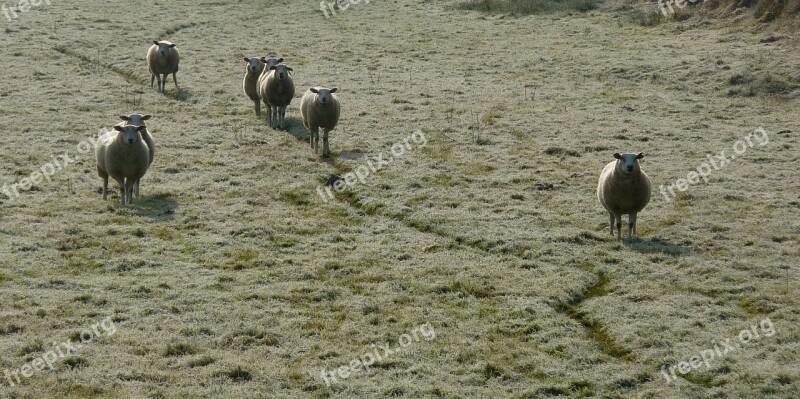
[163, 47]
[281, 71]
[628, 163]
[135, 119]
[130, 133]
[271, 61]
[254, 65]
[324, 96]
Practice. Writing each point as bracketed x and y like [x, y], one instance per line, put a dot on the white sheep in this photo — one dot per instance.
[255, 68]
[320, 109]
[123, 155]
[163, 59]
[276, 89]
[623, 188]
[139, 120]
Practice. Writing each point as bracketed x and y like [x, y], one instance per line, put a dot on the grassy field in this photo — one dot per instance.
[481, 251]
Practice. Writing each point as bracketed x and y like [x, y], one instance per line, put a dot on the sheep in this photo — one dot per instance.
[163, 59]
[320, 109]
[253, 73]
[123, 155]
[276, 89]
[268, 63]
[623, 188]
[138, 120]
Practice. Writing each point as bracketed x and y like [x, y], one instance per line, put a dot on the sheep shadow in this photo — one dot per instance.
[179, 94]
[657, 246]
[295, 127]
[159, 207]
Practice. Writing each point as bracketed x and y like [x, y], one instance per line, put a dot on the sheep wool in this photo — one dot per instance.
[139, 120]
[162, 60]
[623, 189]
[277, 91]
[123, 155]
[320, 109]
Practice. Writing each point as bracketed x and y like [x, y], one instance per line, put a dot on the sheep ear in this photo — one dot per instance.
[172, 45]
[280, 60]
[155, 42]
[118, 128]
[616, 155]
[246, 59]
[146, 117]
[124, 118]
[289, 69]
[264, 59]
[640, 156]
[140, 128]
[313, 90]
[333, 90]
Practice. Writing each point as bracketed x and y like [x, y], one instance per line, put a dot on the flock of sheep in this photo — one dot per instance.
[126, 152]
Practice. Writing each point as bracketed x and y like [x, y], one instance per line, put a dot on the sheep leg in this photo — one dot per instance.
[611, 224]
[136, 188]
[258, 108]
[152, 79]
[175, 79]
[312, 133]
[129, 187]
[121, 183]
[274, 117]
[631, 225]
[618, 223]
[282, 110]
[326, 151]
[124, 190]
[164, 83]
[158, 78]
[271, 115]
[105, 187]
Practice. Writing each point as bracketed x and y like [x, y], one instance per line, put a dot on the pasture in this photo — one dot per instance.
[477, 252]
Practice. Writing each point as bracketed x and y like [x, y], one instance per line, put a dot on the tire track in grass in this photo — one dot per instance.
[594, 330]
[570, 308]
[175, 29]
[125, 74]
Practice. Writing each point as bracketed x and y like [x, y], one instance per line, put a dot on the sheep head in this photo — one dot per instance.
[164, 47]
[254, 65]
[628, 163]
[129, 134]
[324, 95]
[281, 71]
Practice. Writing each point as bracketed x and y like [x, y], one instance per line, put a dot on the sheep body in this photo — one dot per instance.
[268, 64]
[623, 188]
[253, 74]
[162, 60]
[276, 89]
[139, 120]
[320, 109]
[123, 155]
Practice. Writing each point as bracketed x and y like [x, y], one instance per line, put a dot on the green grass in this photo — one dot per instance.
[528, 7]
